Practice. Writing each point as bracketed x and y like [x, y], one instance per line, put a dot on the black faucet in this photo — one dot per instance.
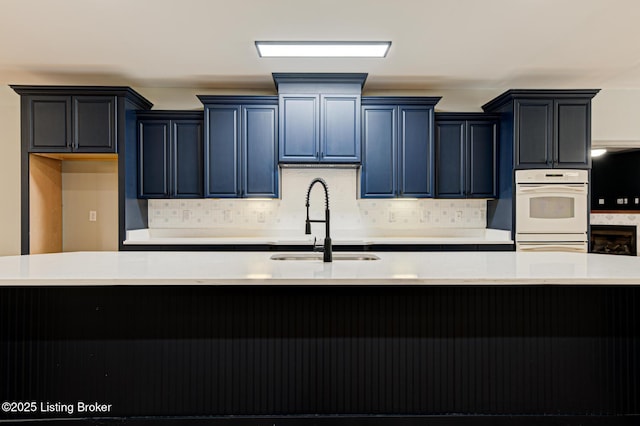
[328, 257]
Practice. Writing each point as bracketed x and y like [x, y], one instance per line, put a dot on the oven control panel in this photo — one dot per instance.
[546, 176]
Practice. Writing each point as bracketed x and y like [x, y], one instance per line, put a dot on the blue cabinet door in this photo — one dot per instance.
[534, 136]
[222, 150]
[397, 158]
[340, 130]
[379, 151]
[94, 124]
[466, 148]
[449, 163]
[49, 123]
[153, 158]
[299, 140]
[187, 159]
[482, 138]
[553, 133]
[72, 123]
[319, 128]
[241, 147]
[415, 151]
[259, 155]
[572, 133]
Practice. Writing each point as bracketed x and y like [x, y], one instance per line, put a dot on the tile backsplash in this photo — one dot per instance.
[348, 213]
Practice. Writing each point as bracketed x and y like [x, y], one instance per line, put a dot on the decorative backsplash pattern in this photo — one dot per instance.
[347, 211]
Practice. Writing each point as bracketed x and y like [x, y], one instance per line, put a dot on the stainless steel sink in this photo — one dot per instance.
[318, 256]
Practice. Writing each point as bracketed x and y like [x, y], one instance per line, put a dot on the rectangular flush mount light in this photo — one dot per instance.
[323, 49]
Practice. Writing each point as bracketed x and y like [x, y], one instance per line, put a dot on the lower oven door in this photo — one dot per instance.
[568, 246]
[548, 209]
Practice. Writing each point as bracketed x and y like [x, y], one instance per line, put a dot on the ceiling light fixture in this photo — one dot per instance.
[323, 49]
[598, 152]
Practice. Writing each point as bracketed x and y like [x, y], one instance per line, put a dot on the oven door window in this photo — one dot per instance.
[551, 212]
[552, 208]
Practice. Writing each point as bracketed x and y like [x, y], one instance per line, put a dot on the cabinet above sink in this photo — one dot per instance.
[319, 118]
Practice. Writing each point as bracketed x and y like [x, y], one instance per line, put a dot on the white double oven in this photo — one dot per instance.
[551, 210]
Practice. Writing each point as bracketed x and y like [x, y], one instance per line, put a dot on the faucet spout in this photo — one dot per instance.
[327, 239]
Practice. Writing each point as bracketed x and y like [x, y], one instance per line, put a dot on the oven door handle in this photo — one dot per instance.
[553, 247]
[578, 189]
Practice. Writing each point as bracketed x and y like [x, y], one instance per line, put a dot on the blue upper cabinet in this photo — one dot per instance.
[547, 128]
[76, 119]
[259, 151]
[398, 146]
[154, 150]
[300, 131]
[340, 129]
[94, 124]
[572, 132]
[222, 150]
[450, 158]
[415, 151]
[481, 162]
[187, 162]
[379, 151]
[241, 134]
[170, 154]
[81, 123]
[466, 155]
[319, 117]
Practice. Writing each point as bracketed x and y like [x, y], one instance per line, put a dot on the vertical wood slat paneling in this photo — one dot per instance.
[274, 351]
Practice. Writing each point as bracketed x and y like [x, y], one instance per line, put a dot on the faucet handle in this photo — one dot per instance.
[317, 247]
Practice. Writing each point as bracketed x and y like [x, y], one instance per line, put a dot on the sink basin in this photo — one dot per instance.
[318, 256]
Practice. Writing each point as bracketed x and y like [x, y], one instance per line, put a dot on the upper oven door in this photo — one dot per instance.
[554, 208]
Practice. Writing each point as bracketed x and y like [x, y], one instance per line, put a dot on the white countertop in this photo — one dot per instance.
[256, 268]
[293, 237]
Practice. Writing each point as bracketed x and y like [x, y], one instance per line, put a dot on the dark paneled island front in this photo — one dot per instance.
[395, 341]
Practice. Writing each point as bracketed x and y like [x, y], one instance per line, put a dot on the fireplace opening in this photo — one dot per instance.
[614, 239]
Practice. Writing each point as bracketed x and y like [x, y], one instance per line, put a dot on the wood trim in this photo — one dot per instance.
[45, 206]
[77, 156]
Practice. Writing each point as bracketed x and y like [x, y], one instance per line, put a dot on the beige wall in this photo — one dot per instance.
[86, 186]
[615, 118]
[9, 172]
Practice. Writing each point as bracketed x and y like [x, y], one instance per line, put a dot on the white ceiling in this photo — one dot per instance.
[492, 44]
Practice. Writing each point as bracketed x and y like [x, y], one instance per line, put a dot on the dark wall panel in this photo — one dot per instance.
[616, 175]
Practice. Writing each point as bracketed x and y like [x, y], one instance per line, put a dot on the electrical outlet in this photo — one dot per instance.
[458, 215]
[186, 215]
[228, 215]
[392, 217]
[261, 217]
[93, 216]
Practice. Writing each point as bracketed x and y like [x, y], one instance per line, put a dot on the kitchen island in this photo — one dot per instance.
[257, 268]
[483, 338]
